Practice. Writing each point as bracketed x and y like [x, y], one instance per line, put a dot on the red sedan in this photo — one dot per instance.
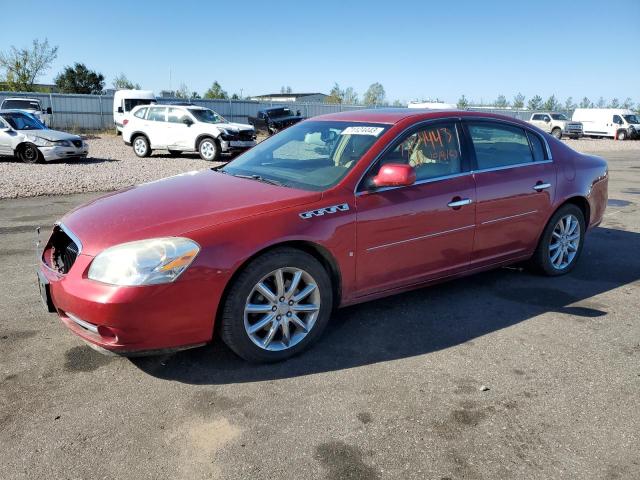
[333, 211]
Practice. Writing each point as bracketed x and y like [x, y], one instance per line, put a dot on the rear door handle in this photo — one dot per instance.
[459, 203]
[541, 186]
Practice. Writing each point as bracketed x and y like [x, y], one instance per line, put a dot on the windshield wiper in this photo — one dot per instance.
[258, 178]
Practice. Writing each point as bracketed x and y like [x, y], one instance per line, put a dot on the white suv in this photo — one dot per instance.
[185, 128]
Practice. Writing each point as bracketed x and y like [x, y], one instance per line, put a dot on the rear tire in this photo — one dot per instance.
[561, 242]
[257, 298]
[29, 153]
[209, 149]
[141, 146]
[557, 132]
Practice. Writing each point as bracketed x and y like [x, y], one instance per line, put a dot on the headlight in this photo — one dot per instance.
[63, 143]
[146, 262]
[41, 142]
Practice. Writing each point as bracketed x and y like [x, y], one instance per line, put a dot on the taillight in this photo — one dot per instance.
[125, 121]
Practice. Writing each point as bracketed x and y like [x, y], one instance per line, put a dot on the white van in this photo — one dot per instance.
[619, 123]
[126, 100]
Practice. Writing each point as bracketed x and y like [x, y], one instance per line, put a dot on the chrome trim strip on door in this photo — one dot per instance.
[509, 217]
[422, 237]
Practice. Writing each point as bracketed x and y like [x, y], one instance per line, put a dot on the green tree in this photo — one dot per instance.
[551, 103]
[195, 95]
[22, 67]
[121, 82]
[463, 103]
[183, 92]
[350, 97]
[614, 103]
[601, 103]
[336, 95]
[628, 103]
[79, 79]
[586, 103]
[375, 95]
[501, 102]
[518, 101]
[397, 103]
[535, 103]
[235, 97]
[569, 105]
[216, 91]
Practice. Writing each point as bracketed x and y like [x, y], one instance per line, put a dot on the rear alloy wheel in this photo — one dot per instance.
[561, 242]
[141, 146]
[557, 132]
[29, 153]
[277, 306]
[621, 135]
[208, 149]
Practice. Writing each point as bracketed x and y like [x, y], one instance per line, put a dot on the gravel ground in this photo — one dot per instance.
[113, 165]
[393, 389]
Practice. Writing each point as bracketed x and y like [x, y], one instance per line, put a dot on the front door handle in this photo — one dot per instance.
[541, 186]
[459, 203]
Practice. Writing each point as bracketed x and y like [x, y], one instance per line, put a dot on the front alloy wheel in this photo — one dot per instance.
[281, 309]
[208, 149]
[277, 306]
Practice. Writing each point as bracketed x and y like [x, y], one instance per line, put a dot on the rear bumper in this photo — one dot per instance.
[135, 320]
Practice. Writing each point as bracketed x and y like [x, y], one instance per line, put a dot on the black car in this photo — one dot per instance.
[272, 120]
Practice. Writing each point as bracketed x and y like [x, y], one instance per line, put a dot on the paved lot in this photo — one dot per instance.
[393, 390]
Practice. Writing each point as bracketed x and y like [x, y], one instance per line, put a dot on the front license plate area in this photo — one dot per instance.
[45, 293]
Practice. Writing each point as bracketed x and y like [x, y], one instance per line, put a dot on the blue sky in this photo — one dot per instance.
[416, 49]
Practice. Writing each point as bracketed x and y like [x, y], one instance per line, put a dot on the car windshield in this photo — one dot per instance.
[22, 121]
[559, 116]
[279, 112]
[309, 155]
[631, 118]
[21, 105]
[207, 116]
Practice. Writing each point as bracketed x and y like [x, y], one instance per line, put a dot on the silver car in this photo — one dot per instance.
[24, 136]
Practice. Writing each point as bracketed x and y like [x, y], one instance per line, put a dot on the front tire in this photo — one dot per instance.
[29, 153]
[561, 243]
[209, 149]
[621, 135]
[557, 133]
[278, 306]
[141, 146]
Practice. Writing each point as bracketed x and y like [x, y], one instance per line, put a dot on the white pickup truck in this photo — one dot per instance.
[557, 124]
[31, 105]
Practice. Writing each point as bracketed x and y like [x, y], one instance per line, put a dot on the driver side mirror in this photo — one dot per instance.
[547, 119]
[120, 110]
[395, 175]
[187, 121]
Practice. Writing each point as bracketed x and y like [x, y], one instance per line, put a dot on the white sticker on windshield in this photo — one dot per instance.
[375, 131]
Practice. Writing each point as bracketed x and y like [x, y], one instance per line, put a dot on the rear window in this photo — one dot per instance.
[131, 103]
[21, 105]
[499, 145]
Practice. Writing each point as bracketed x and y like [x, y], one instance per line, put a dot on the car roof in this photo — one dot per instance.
[22, 98]
[15, 110]
[394, 115]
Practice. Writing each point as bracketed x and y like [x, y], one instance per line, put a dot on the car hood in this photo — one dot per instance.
[234, 126]
[53, 135]
[175, 206]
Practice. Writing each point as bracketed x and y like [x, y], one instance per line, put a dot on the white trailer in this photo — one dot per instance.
[126, 100]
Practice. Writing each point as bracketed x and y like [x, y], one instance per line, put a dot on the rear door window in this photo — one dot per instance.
[176, 115]
[157, 114]
[499, 145]
[537, 147]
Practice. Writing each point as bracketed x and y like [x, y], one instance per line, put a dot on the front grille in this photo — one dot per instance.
[247, 135]
[77, 143]
[63, 251]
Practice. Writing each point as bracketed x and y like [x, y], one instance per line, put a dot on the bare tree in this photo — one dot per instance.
[350, 96]
[375, 95]
[121, 82]
[22, 67]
